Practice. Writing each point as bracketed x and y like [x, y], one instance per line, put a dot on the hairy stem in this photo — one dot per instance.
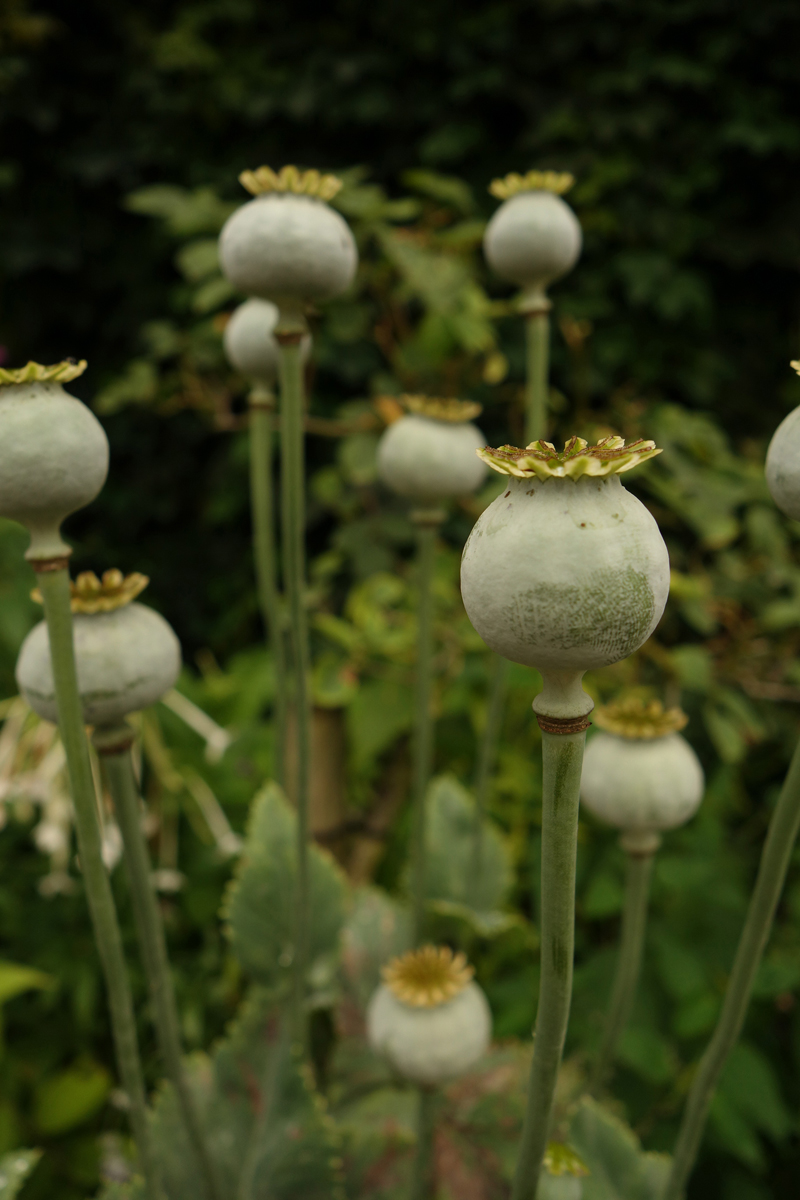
[293, 496]
[54, 586]
[422, 1181]
[487, 757]
[562, 756]
[537, 346]
[114, 749]
[423, 729]
[775, 858]
[262, 505]
[629, 961]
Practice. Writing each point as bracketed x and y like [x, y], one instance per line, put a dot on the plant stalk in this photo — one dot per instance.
[293, 497]
[54, 586]
[629, 961]
[263, 508]
[427, 525]
[562, 759]
[775, 858]
[537, 361]
[422, 1181]
[113, 746]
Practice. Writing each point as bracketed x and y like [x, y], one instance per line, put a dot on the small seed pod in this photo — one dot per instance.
[286, 244]
[127, 655]
[639, 774]
[429, 454]
[534, 237]
[53, 453]
[428, 1018]
[249, 344]
[783, 463]
[566, 570]
[559, 1187]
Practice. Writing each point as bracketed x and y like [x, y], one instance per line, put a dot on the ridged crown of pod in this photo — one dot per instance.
[783, 463]
[53, 453]
[534, 237]
[566, 570]
[639, 774]
[127, 655]
[428, 455]
[562, 1174]
[428, 1018]
[249, 342]
[287, 245]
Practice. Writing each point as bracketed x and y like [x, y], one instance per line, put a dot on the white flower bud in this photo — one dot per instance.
[287, 247]
[428, 459]
[53, 453]
[428, 1018]
[533, 239]
[126, 660]
[249, 344]
[783, 465]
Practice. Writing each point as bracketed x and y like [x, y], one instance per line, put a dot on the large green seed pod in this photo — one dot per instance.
[534, 237]
[53, 453]
[639, 774]
[127, 655]
[783, 463]
[287, 244]
[428, 1018]
[249, 342]
[566, 570]
[429, 454]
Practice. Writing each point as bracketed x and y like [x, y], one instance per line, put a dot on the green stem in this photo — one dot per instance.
[562, 758]
[54, 586]
[262, 504]
[427, 525]
[422, 1181]
[629, 961]
[487, 757]
[775, 858]
[537, 346]
[113, 746]
[293, 495]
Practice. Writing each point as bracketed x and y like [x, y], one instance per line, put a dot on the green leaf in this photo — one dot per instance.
[379, 713]
[65, 1100]
[15, 979]
[618, 1167]
[452, 871]
[15, 1169]
[261, 901]
[377, 929]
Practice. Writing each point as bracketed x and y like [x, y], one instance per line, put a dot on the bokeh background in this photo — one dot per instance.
[124, 127]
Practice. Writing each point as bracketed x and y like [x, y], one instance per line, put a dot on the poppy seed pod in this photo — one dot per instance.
[559, 1187]
[429, 454]
[53, 453]
[534, 237]
[286, 244]
[639, 774]
[249, 344]
[428, 1018]
[566, 570]
[783, 463]
[127, 656]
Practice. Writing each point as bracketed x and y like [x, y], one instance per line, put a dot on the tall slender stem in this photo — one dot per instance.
[562, 757]
[537, 347]
[775, 858]
[54, 586]
[422, 1182]
[293, 496]
[113, 745]
[487, 756]
[427, 525]
[263, 508]
[629, 960]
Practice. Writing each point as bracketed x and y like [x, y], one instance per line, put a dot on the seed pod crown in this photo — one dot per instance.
[610, 456]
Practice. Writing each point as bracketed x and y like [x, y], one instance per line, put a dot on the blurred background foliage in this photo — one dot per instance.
[124, 128]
